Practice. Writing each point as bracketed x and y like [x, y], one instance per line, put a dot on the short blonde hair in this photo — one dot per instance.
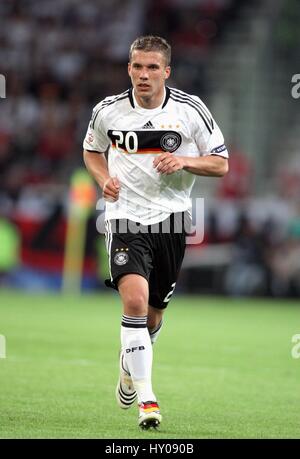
[152, 43]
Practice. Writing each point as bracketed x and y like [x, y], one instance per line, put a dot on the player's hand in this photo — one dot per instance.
[167, 163]
[111, 189]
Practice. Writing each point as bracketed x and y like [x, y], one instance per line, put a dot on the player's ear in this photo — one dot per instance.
[167, 72]
[129, 68]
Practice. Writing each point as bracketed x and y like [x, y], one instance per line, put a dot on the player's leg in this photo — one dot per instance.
[137, 346]
[128, 254]
[136, 351]
[135, 339]
[130, 261]
[154, 322]
[169, 253]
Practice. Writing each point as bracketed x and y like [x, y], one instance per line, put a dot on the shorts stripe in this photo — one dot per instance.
[109, 237]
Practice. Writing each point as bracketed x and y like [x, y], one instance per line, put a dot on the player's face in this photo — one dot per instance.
[148, 72]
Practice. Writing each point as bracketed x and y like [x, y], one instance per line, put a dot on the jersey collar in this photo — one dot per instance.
[134, 104]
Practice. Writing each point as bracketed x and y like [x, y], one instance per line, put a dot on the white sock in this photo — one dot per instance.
[154, 332]
[137, 351]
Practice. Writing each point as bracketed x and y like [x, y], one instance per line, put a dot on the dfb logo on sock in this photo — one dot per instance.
[132, 349]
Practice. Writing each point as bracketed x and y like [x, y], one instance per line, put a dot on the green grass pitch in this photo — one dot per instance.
[223, 368]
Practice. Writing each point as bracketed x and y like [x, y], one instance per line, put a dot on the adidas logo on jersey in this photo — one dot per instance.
[148, 125]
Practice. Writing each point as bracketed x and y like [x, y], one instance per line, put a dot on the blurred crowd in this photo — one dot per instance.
[59, 58]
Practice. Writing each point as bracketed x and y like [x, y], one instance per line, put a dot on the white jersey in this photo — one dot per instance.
[134, 136]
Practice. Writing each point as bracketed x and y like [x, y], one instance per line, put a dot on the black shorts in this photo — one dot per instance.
[154, 252]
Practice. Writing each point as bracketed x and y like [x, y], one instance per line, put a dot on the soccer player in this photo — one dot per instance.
[157, 139]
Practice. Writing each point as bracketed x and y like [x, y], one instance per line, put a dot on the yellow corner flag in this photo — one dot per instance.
[82, 198]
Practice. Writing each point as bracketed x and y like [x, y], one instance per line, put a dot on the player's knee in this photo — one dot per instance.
[135, 305]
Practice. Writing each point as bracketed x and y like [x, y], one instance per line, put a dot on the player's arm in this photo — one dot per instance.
[96, 164]
[212, 160]
[210, 165]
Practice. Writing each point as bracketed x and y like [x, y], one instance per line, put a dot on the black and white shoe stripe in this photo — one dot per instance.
[126, 399]
[125, 392]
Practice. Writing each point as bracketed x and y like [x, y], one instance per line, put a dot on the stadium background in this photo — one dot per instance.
[60, 58]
